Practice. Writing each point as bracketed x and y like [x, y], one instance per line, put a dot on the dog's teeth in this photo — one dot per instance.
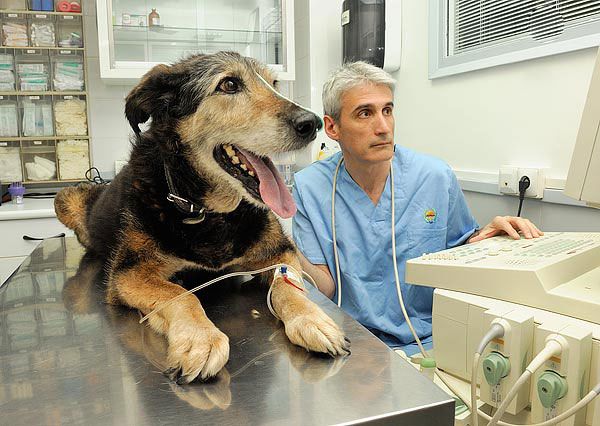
[243, 167]
[235, 159]
[251, 173]
[229, 150]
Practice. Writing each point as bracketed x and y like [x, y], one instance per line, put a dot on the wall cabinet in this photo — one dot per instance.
[135, 35]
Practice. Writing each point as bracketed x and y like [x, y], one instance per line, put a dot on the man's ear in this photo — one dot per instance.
[331, 128]
[153, 96]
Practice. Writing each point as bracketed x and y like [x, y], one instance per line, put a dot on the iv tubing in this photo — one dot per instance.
[206, 284]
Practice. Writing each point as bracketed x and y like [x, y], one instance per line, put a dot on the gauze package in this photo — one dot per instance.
[10, 164]
[8, 119]
[70, 116]
[37, 119]
[41, 169]
[73, 158]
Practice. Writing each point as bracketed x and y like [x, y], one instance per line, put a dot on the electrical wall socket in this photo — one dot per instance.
[508, 180]
[537, 179]
[509, 176]
[119, 164]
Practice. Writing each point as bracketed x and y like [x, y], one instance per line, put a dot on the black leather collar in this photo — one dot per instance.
[195, 212]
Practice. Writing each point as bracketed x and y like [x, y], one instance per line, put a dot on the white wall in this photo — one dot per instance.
[318, 52]
[109, 129]
[524, 114]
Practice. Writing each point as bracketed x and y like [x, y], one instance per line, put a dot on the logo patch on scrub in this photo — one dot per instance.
[430, 215]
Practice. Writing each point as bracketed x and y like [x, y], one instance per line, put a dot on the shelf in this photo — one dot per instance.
[37, 182]
[41, 12]
[42, 48]
[41, 138]
[48, 93]
[126, 33]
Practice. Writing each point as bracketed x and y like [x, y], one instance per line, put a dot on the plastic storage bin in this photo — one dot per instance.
[69, 32]
[33, 67]
[39, 159]
[70, 115]
[36, 113]
[42, 30]
[9, 117]
[43, 5]
[10, 162]
[67, 71]
[13, 4]
[73, 158]
[14, 30]
[67, 6]
[7, 71]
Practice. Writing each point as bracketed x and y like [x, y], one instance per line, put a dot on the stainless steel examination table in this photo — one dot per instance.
[68, 358]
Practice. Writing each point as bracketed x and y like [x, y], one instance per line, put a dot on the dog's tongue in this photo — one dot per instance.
[272, 188]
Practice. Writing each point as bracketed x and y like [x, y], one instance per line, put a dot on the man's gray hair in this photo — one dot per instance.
[350, 75]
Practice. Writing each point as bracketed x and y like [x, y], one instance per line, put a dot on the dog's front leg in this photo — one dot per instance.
[305, 323]
[197, 348]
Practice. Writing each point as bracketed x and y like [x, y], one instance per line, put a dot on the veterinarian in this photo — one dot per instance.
[430, 210]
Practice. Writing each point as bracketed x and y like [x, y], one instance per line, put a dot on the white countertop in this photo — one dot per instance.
[30, 209]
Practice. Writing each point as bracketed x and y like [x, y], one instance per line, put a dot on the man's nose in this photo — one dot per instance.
[383, 124]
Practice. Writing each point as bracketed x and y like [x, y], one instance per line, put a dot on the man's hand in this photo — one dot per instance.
[510, 225]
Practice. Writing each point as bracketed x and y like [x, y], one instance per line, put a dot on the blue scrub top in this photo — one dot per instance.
[431, 215]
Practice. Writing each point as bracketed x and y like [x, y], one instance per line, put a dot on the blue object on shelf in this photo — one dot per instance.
[48, 5]
[36, 5]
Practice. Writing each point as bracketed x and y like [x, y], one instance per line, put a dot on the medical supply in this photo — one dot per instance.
[14, 4]
[42, 31]
[153, 18]
[70, 116]
[37, 117]
[69, 31]
[427, 367]
[10, 162]
[73, 158]
[63, 6]
[276, 267]
[8, 118]
[138, 20]
[33, 77]
[16, 191]
[75, 7]
[14, 31]
[7, 72]
[40, 169]
[68, 74]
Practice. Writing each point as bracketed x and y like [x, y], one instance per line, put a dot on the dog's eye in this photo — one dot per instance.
[229, 85]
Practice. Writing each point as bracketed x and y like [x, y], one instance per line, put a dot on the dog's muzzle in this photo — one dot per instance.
[306, 125]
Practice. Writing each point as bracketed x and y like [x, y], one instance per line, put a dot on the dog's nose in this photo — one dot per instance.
[306, 125]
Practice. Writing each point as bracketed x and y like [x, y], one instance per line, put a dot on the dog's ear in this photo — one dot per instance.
[154, 95]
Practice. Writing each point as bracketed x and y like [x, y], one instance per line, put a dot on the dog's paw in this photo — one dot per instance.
[195, 351]
[315, 331]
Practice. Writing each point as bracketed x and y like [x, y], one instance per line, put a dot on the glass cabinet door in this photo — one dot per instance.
[135, 35]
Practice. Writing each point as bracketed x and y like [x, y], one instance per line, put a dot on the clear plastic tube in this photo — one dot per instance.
[223, 277]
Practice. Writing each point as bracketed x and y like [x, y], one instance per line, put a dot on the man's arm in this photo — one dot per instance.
[320, 274]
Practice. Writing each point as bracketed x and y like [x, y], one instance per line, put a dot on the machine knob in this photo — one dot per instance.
[551, 387]
[495, 367]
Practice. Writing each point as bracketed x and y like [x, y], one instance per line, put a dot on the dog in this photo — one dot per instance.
[199, 191]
